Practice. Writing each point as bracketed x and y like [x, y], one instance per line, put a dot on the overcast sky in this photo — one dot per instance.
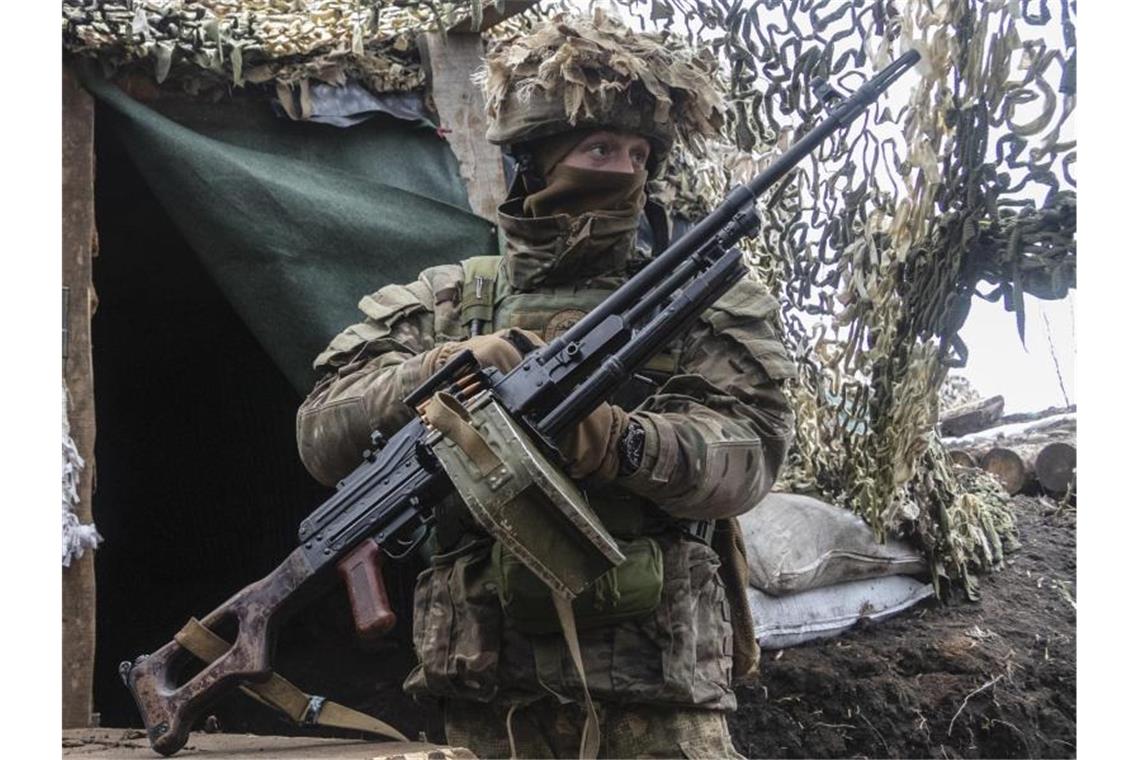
[1027, 377]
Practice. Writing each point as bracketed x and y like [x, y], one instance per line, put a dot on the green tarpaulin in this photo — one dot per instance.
[297, 221]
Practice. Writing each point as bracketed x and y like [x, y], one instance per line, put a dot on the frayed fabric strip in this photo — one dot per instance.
[77, 537]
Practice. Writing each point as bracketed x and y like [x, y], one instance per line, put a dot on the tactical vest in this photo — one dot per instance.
[473, 658]
[487, 303]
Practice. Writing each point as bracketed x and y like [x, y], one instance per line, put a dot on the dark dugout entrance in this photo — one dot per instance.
[199, 488]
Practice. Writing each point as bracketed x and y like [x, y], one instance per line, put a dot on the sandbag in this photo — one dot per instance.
[796, 543]
[823, 613]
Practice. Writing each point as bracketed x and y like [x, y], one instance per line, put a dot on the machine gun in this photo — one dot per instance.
[385, 504]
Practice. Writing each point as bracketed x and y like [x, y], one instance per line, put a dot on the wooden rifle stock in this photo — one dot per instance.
[169, 708]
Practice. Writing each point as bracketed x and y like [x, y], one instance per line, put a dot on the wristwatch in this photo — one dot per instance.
[631, 447]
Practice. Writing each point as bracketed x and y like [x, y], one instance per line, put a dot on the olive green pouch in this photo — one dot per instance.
[628, 591]
[519, 498]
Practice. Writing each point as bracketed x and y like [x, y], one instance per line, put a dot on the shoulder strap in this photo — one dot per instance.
[728, 542]
[477, 303]
[276, 692]
[590, 742]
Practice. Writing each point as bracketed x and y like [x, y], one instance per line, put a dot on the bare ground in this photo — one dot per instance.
[996, 678]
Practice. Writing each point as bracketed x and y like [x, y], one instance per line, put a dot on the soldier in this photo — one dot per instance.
[590, 110]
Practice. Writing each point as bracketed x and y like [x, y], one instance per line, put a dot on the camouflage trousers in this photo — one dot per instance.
[547, 729]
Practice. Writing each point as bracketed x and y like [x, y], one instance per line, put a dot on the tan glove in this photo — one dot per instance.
[590, 448]
[490, 351]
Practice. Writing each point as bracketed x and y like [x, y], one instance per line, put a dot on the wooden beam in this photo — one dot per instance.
[78, 249]
[491, 16]
[450, 61]
[970, 418]
[1060, 427]
[117, 744]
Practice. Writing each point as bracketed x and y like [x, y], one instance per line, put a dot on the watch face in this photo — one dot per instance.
[632, 448]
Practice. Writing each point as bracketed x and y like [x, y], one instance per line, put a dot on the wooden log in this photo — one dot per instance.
[1009, 467]
[1056, 467]
[971, 418]
[78, 249]
[1061, 427]
[451, 60]
[1052, 411]
[962, 458]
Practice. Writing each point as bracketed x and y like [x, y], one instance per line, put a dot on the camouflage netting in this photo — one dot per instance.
[880, 242]
[204, 44]
[963, 175]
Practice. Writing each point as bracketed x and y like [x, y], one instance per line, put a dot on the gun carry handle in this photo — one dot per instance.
[362, 572]
[168, 709]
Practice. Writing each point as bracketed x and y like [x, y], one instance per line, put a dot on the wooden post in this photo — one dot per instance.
[452, 59]
[78, 249]
[449, 60]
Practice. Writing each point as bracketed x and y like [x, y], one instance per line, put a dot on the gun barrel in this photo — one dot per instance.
[660, 295]
[717, 223]
[689, 303]
[840, 116]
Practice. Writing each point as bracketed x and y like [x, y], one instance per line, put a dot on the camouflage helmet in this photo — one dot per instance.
[573, 72]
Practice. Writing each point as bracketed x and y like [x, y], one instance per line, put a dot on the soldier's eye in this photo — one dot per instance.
[600, 150]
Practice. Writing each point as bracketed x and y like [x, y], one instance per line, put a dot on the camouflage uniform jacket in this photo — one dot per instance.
[716, 434]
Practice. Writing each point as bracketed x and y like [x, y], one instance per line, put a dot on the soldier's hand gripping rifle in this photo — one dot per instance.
[385, 504]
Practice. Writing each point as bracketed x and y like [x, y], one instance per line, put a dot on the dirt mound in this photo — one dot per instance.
[996, 678]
